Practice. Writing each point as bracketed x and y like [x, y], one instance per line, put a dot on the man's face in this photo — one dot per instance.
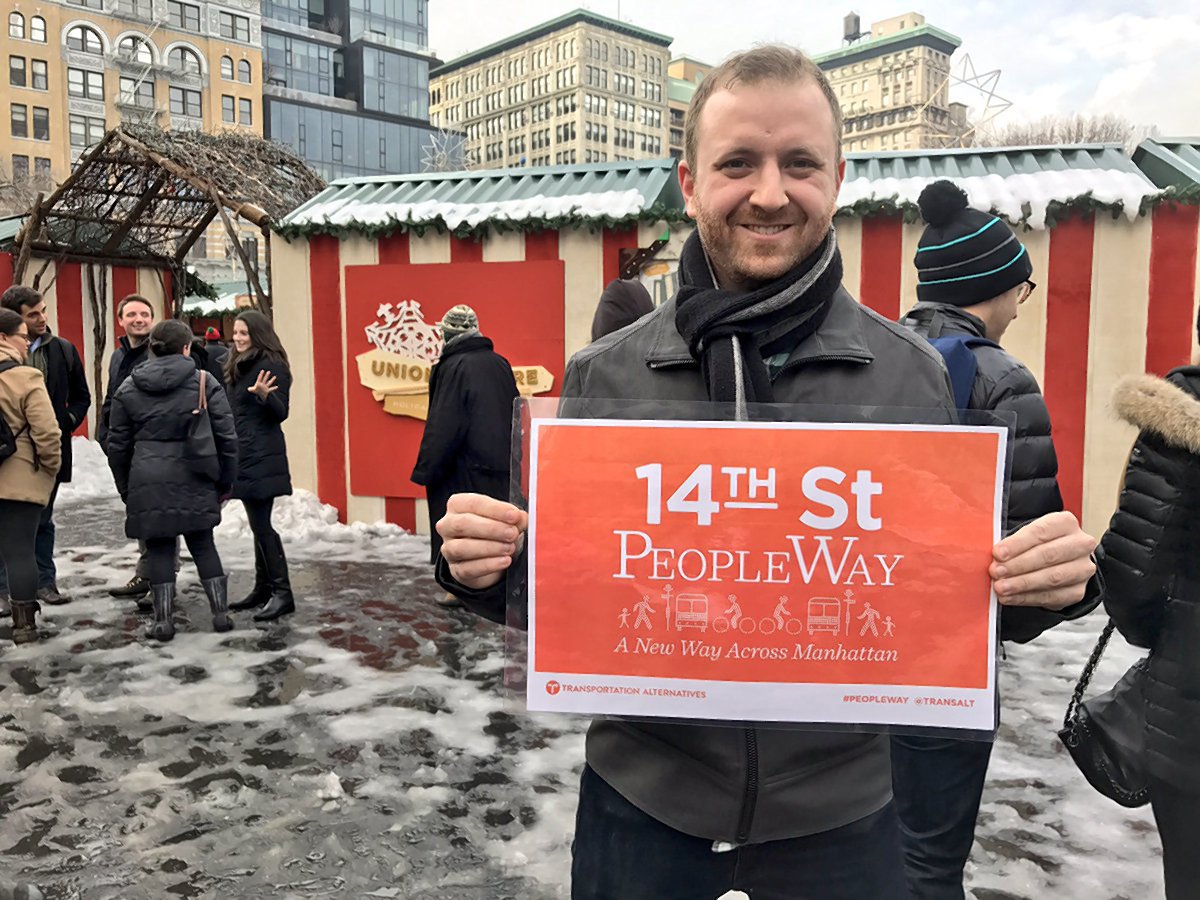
[766, 179]
[35, 319]
[137, 319]
[1006, 307]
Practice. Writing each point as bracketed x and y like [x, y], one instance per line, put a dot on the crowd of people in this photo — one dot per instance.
[187, 425]
[671, 809]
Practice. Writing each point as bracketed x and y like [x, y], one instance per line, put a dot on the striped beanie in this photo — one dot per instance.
[965, 256]
[459, 320]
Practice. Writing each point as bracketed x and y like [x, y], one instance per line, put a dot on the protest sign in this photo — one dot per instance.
[784, 572]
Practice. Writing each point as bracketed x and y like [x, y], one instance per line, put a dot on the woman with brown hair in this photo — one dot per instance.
[30, 455]
[259, 381]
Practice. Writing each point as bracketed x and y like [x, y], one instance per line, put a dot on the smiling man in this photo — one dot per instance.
[692, 810]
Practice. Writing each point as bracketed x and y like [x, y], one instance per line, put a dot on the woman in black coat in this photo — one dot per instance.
[1151, 569]
[164, 495]
[259, 384]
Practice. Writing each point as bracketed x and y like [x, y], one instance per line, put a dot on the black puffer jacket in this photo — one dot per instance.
[125, 358]
[147, 429]
[1151, 563]
[1003, 384]
[262, 451]
[466, 444]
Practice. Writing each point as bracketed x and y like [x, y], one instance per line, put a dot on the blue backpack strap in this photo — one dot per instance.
[961, 363]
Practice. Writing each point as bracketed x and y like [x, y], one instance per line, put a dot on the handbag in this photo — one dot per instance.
[199, 445]
[1106, 735]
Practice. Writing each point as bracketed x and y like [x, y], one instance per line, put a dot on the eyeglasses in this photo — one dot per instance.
[24, 337]
[1030, 287]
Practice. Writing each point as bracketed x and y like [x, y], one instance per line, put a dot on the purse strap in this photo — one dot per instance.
[203, 393]
[1085, 677]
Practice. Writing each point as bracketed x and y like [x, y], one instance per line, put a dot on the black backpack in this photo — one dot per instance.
[8, 439]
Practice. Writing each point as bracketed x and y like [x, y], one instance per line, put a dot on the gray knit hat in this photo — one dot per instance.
[965, 256]
[459, 320]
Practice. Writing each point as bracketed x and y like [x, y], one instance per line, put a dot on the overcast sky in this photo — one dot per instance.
[1134, 58]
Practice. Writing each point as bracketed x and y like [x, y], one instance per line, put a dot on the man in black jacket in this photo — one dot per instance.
[973, 275]
[135, 315]
[673, 809]
[465, 446]
[67, 384]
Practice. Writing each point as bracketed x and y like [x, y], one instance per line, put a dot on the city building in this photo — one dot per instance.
[346, 83]
[77, 69]
[893, 85]
[684, 74]
[580, 88]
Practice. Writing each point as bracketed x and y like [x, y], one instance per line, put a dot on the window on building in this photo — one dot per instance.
[184, 60]
[20, 168]
[227, 68]
[245, 111]
[39, 77]
[135, 49]
[236, 27]
[228, 109]
[86, 131]
[244, 71]
[17, 74]
[19, 120]
[183, 16]
[138, 92]
[41, 123]
[86, 84]
[16, 26]
[185, 102]
[37, 29]
[138, 9]
[84, 40]
[88, 4]
[41, 168]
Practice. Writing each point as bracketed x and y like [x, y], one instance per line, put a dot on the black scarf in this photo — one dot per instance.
[730, 333]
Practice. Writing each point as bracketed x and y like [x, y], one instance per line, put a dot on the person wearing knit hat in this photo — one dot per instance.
[973, 274]
[211, 334]
[465, 447]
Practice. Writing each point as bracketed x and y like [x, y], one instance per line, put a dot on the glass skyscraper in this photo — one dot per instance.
[346, 83]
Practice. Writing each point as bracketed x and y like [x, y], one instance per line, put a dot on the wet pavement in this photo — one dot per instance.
[363, 747]
[358, 748]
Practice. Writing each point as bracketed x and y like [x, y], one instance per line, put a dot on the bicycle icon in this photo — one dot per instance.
[765, 625]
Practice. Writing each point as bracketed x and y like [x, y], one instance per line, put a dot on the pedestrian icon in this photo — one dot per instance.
[643, 610]
[624, 617]
[888, 626]
[872, 616]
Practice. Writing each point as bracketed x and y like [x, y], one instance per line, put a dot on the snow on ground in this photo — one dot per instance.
[365, 748]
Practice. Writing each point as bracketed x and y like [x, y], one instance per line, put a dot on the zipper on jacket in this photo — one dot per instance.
[750, 797]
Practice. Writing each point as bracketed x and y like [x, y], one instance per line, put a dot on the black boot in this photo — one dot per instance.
[163, 628]
[261, 592]
[25, 621]
[282, 602]
[217, 591]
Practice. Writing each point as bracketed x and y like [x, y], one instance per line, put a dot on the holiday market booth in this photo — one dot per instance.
[125, 218]
[370, 265]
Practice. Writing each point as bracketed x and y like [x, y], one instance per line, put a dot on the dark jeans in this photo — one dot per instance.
[18, 533]
[258, 515]
[620, 853]
[160, 557]
[43, 548]
[937, 784]
[1177, 814]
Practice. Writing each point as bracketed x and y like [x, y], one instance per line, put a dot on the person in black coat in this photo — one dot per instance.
[622, 303]
[465, 447]
[164, 495]
[218, 353]
[259, 382]
[973, 276]
[1151, 568]
[57, 360]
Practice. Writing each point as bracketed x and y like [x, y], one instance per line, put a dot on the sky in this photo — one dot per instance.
[1136, 59]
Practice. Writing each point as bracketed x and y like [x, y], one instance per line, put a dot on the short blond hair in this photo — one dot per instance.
[770, 62]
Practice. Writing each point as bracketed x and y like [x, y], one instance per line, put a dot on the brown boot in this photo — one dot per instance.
[24, 621]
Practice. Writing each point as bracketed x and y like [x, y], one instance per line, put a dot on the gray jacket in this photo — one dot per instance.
[749, 785]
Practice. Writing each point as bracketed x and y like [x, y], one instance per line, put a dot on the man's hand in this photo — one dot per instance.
[480, 538]
[1047, 563]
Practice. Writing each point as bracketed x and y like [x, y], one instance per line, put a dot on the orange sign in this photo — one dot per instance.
[767, 572]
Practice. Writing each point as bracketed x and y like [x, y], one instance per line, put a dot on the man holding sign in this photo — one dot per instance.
[694, 810]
